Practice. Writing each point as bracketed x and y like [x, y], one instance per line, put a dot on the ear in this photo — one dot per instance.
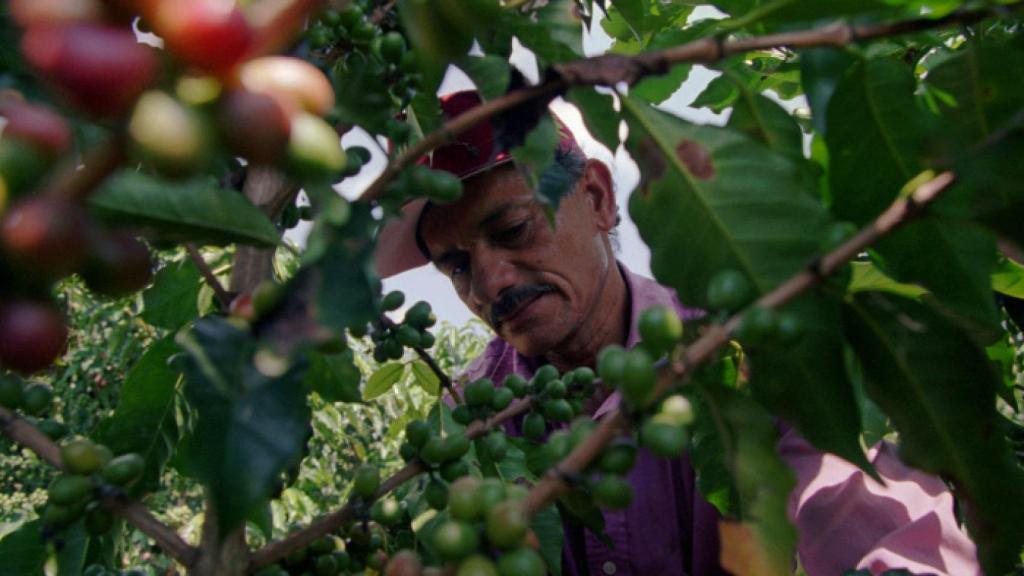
[596, 184]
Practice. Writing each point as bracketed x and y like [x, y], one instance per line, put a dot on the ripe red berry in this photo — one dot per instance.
[255, 126]
[32, 335]
[119, 265]
[101, 69]
[31, 12]
[46, 235]
[296, 84]
[212, 35]
[36, 125]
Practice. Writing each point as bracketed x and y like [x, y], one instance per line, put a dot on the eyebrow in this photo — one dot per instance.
[487, 221]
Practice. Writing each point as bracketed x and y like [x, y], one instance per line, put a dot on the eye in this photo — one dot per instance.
[512, 234]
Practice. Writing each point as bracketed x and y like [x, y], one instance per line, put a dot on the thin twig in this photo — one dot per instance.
[446, 381]
[615, 69]
[211, 279]
[27, 435]
[381, 12]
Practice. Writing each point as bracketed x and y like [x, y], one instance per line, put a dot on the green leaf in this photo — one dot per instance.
[718, 95]
[765, 121]
[873, 120]
[981, 90]
[334, 377]
[868, 277]
[196, 211]
[814, 371]
[553, 33]
[490, 74]
[730, 201]
[821, 69]
[762, 479]
[23, 551]
[536, 157]
[172, 300]
[952, 259]
[145, 421]
[383, 379]
[263, 518]
[580, 506]
[426, 378]
[1008, 278]
[598, 112]
[790, 13]
[71, 555]
[249, 426]
[361, 94]
[343, 258]
[547, 525]
[938, 387]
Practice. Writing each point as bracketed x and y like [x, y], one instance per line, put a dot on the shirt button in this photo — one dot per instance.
[608, 568]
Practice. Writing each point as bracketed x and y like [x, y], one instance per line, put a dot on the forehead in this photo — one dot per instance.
[485, 199]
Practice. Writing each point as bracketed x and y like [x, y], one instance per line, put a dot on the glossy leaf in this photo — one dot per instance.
[145, 421]
[344, 262]
[249, 427]
[873, 120]
[1008, 278]
[731, 201]
[821, 70]
[868, 277]
[334, 377]
[490, 74]
[426, 378]
[763, 481]
[813, 370]
[172, 300]
[24, 551]
[938, 387]
[547, 525]
[196, 211]
[598, 111]
[383, 379]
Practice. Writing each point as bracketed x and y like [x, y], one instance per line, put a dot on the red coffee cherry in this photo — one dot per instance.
[255, 126]
[32, 335]
[212, 35]
[100, 69]
[31, 12]
[46, 235]
[296, 84]
[119, 265]
[36, 125]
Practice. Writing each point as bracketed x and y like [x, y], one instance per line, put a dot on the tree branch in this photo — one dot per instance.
[707, 346]
[27, 435]
[446, 381]
[211, 279]
[615, 69]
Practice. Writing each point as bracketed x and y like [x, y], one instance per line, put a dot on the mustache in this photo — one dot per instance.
[513, 298]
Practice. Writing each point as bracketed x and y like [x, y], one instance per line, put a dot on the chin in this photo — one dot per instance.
[532, 343]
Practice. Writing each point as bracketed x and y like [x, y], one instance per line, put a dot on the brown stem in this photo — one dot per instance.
[381, 12]
[27, 435]
[708, 345]
[446, 381]
[211, 279]
[615, 69]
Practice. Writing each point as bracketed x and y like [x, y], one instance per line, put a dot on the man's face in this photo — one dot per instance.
[535, 284]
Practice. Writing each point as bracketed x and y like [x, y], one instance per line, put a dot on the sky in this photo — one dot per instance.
[428, 284]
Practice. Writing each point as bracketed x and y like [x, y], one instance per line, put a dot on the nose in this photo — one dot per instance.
[492, 273]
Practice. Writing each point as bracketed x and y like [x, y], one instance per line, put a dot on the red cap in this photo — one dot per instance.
[470, 153]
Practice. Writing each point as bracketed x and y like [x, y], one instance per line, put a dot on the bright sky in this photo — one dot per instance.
[428, 284]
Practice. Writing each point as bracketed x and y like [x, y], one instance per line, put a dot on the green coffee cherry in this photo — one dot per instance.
[758, 326]
[124, 469]
[558, 410]
[534, 427]
[517, 384]
[479, 392]
[663, 439]
[81, 456]
[618, 458]
[502, 398]
[452, 471]
[36, 399]
[365, 481]
[506, 525]
[638, 377]
[494, 445]
[611, 363]
[521, 562]
[392, 300]
[660, 328]
[729, 290]
[436, 494]
[464, 502]
[69, 490]
[455, 540]
[417, 432]
[613, 492]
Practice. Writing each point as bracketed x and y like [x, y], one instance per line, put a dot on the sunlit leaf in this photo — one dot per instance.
[383, 379]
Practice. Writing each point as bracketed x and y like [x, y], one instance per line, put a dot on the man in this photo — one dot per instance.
[556, 294]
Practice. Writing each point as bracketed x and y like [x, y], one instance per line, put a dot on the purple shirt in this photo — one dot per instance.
[846, 519]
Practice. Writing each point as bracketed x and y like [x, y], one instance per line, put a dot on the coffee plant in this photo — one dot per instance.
[857, 262]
